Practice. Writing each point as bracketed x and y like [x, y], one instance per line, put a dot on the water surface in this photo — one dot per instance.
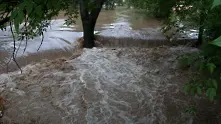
[129, 24]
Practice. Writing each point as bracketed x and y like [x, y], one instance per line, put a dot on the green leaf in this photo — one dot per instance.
[14, 14]
[211, 93]
[193, 91]
[208, 92]
[18, 20]
[216, 3]
[215, 83]
[211, 67]
[20, 17]
[199, 91]
[21, 6]
[39, 11]
[217, 42]
[16, 24]
[201, 67]
[186, 89]
[29, 6]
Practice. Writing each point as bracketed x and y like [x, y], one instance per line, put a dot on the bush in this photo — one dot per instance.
[207, 63]
[206, 66]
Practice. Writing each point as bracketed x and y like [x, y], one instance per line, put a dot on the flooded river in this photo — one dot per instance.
[104, 85]
[129, 24]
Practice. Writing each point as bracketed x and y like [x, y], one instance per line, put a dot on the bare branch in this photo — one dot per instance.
[41, 41]
[13, 56]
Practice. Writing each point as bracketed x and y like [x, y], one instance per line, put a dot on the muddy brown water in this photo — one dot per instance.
[136, 23]
[105, 21]
[136, 19]
[105, 86]
[122, 27]
[33, 58]
[103, 42]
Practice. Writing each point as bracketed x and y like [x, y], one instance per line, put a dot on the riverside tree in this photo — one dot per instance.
[31, 17]
[206, 63]
[192, 13]
[158, 8]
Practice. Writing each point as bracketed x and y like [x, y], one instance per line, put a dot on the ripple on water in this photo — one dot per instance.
[119, 91]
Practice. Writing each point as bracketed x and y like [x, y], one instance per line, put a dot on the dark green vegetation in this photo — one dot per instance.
[195, 14]
[110, 4]
[207, 62]
[159, 8]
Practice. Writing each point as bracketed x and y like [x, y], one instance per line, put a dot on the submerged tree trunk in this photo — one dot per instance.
[89, 17]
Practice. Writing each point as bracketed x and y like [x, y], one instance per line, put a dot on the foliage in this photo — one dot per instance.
[207, 66]
[159, 8]
[182, 15]
[189, 13]
[191, 110]
[111, 4]
[30, 18]
[34, 14]
[217, 42]
[216, 3]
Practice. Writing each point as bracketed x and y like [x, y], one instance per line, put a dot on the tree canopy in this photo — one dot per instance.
[159, 8]
[34, 13]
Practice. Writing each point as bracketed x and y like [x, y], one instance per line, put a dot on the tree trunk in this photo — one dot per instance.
[201, 30]
[201, 26]
[88, 34]
[200, 37]
[89, 18]
[93, 23]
